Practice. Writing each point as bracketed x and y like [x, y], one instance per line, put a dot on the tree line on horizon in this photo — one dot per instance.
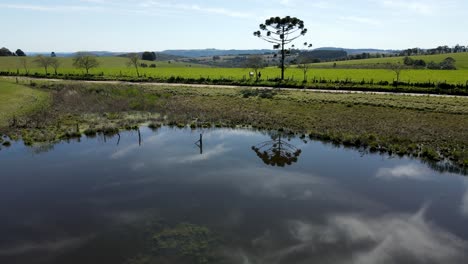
[4, 52]
[342, 55]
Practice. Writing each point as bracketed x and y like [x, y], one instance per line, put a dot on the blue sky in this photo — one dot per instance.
[136, 25]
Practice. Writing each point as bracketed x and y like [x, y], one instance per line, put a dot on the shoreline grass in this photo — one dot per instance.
[18, 100]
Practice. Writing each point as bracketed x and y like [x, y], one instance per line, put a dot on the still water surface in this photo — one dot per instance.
[90, 201]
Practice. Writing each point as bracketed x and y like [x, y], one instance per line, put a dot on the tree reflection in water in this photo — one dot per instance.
[277, 152]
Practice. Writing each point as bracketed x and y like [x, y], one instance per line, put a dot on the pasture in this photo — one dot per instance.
[107, 64]
[117, 67]
[461, 61]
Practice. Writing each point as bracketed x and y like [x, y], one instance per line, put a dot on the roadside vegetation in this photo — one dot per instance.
[432, 128]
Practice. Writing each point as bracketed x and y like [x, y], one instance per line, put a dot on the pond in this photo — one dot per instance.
[230, 196]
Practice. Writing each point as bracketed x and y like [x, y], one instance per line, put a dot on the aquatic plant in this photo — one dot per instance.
[189, 240]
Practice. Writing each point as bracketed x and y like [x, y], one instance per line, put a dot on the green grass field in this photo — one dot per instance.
[107, 64]
[115, 66]
[18, 100]
[461, 61]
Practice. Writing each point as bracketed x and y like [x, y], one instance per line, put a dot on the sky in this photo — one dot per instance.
[156, 25]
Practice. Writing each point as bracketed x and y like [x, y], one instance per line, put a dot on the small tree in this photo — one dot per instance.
[256, 63]
[20, 53]
[149, 56]
[85, 61]
[397, 68]
[55, 63]
[134, 60]
[44, 62]
[5, 52]
[448, 64]
[304, 63]
[24, 63]
[281, 32]
[304, 66]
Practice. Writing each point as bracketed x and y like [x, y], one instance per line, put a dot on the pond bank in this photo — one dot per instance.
[429, 127]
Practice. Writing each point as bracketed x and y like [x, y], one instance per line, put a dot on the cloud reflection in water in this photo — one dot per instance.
[361, 239]
[409, 171]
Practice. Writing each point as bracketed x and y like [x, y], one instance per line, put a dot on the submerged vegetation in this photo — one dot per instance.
[182, 243]
[433, 128]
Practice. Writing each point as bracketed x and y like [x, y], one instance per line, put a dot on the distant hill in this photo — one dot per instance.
[359, 51]
[71, 54]
[214, 52]
[196, 53]
[159, 56]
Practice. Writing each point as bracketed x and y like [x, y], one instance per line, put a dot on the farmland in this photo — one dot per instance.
[108, 65]
[461, 61]
[453, 77]
[116, 67]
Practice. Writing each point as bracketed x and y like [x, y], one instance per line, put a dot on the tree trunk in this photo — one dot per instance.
[138, 73]
[398, 79]
[282, 59]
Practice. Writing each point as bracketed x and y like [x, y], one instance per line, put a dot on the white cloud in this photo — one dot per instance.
[308, 4]
[96, 1]
[60, 8]
[197, 8]
[229, 133]
[390, 239]
[122, 153]
[421, 7]
[155, 140]
[410, 171]
[208, 154]
[362, 20]
[269, 182]
[286, 2]
[322, 4]
[407, 237]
